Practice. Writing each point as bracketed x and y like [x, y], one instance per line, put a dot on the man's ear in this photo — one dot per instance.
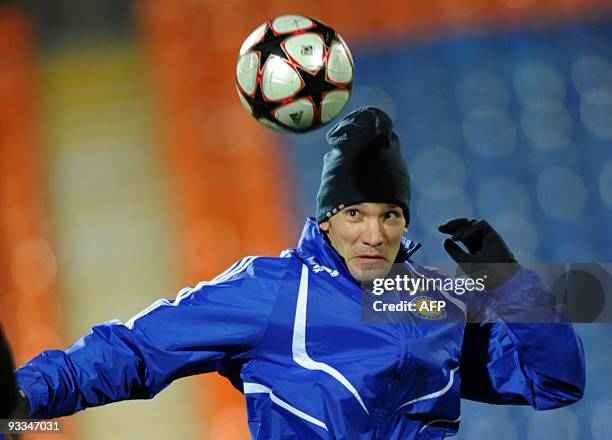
[324, 226]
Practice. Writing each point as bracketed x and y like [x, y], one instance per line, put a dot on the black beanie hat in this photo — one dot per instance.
[365, 164]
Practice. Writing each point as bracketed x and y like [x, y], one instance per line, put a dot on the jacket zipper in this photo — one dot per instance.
[379, 419]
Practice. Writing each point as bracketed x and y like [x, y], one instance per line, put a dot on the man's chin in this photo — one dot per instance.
[369, 272]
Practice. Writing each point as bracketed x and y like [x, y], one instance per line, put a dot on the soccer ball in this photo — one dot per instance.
[294, 74]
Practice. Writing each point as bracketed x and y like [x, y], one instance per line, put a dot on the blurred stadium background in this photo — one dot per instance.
[129, 169]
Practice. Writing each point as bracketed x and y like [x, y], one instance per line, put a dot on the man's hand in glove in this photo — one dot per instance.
[488, 255]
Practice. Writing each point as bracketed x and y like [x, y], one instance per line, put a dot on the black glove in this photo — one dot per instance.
[8, 388]
[488, 257]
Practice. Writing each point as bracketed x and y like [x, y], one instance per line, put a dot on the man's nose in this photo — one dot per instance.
[373, 233]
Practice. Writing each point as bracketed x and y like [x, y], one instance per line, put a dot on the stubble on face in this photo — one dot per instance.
[368, 237]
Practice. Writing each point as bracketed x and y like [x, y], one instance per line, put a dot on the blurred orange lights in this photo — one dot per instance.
[34, 267]
[29, 307]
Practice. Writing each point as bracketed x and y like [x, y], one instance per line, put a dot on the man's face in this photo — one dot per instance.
[368, 237]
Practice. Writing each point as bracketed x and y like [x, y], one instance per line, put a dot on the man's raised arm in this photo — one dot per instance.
[535, 363]
[204, 329]
[518, 351]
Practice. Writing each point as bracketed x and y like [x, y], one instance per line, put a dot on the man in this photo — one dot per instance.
[288, 330]
[8, 390]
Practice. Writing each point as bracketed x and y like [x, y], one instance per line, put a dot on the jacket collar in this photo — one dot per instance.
[314, 246]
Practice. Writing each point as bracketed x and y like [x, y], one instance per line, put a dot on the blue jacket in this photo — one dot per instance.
[311, 368]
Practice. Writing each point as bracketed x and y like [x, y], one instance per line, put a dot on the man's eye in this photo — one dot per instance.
[391, 214]
[353, 212]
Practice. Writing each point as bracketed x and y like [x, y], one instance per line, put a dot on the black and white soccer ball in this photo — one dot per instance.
[294, 73]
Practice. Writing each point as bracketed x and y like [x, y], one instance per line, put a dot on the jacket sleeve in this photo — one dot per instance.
[526, 356]
[204, 329]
